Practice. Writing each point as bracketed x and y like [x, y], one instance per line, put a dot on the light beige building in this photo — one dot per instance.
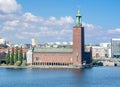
[34, 42]
[98, 52]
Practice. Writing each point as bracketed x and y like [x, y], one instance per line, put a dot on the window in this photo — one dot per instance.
[77, 57]
[37, 58]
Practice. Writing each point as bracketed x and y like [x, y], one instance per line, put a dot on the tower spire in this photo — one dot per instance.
[78, 19]
[78, 14]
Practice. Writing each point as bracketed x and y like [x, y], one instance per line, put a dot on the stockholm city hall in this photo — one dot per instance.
[74, 57]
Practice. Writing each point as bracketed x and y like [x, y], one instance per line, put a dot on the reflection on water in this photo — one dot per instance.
[92, 77]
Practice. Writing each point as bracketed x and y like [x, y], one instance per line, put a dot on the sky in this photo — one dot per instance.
[53, 20]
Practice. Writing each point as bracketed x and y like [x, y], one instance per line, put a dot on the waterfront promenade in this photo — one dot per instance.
[39, 67]
[110, 61]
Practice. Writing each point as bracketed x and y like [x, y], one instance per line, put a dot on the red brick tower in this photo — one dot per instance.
[78, 41]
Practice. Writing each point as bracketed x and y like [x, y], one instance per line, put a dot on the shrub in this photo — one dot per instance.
[18, 63]
[24, 63]
[95, 60]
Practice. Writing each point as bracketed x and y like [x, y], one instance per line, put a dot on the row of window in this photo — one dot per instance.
[59, 64]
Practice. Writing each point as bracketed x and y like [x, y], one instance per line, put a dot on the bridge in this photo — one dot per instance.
[110, 61]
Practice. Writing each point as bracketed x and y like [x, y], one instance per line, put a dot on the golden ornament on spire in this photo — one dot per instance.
[78, 14]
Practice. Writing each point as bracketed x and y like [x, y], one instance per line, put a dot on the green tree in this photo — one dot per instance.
[0, 61]
[95, 60]
[21, 55]
[16, 55]
[12, 57]
[8, 57]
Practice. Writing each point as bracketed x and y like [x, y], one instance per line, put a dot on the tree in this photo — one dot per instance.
[0, 61]
[21, 55]
[95, 60]
[16, 55]
[8, 57]
[12, 57]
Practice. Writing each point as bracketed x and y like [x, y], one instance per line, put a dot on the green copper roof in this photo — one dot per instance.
[78, 19]
[53, 50]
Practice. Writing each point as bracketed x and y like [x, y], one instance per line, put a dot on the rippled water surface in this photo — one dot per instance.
[92, 77]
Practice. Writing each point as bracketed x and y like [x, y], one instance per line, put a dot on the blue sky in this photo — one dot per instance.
[53, 20]
[98, 12]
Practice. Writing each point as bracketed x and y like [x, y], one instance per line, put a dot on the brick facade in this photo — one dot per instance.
[63, 58]
[74, 58]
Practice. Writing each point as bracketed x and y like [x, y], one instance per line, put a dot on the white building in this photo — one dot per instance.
[115, 47]
[105, 45]
[34, 42]
[107, 48]
[4, 41]
[29, 57]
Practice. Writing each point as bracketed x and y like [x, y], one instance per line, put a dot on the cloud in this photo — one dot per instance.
[20, 37]
[7, 17]
[21, 27]
[92, 30]
[114, 31]
[29, 17]
[48, 33]
[9, 6]
[27, 26]
[63, 21]
[44, 28]
[90, 26]
[10, 25]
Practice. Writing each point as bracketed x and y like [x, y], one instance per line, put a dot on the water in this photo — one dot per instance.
[92, 77]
